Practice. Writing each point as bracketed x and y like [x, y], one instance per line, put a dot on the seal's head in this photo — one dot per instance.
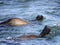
[39, 17]
[15, 22]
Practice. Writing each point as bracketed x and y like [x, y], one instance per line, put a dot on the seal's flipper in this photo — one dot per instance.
[45, 31]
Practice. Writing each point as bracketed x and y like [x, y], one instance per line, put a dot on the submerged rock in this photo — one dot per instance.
[14, 22]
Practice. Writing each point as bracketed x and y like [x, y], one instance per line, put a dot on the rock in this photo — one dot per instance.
[14, 22]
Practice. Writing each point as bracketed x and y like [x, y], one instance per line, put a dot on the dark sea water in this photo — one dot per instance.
[28, 10]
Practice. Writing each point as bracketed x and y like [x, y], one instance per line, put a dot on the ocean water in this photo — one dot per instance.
[28, 10]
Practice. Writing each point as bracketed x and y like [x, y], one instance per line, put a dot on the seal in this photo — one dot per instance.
[44, 32]
[39, 18]
[14, 22]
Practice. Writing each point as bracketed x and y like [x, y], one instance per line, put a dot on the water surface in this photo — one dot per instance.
[28, 10]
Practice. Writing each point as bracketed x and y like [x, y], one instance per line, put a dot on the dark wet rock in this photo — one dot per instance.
[39, 17]
[14, 22]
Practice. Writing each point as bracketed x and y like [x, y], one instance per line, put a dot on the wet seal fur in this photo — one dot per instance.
[14, 22]
[39, 18]
[44, 32]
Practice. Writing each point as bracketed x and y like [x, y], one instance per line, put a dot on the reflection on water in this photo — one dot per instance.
[28, 10]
